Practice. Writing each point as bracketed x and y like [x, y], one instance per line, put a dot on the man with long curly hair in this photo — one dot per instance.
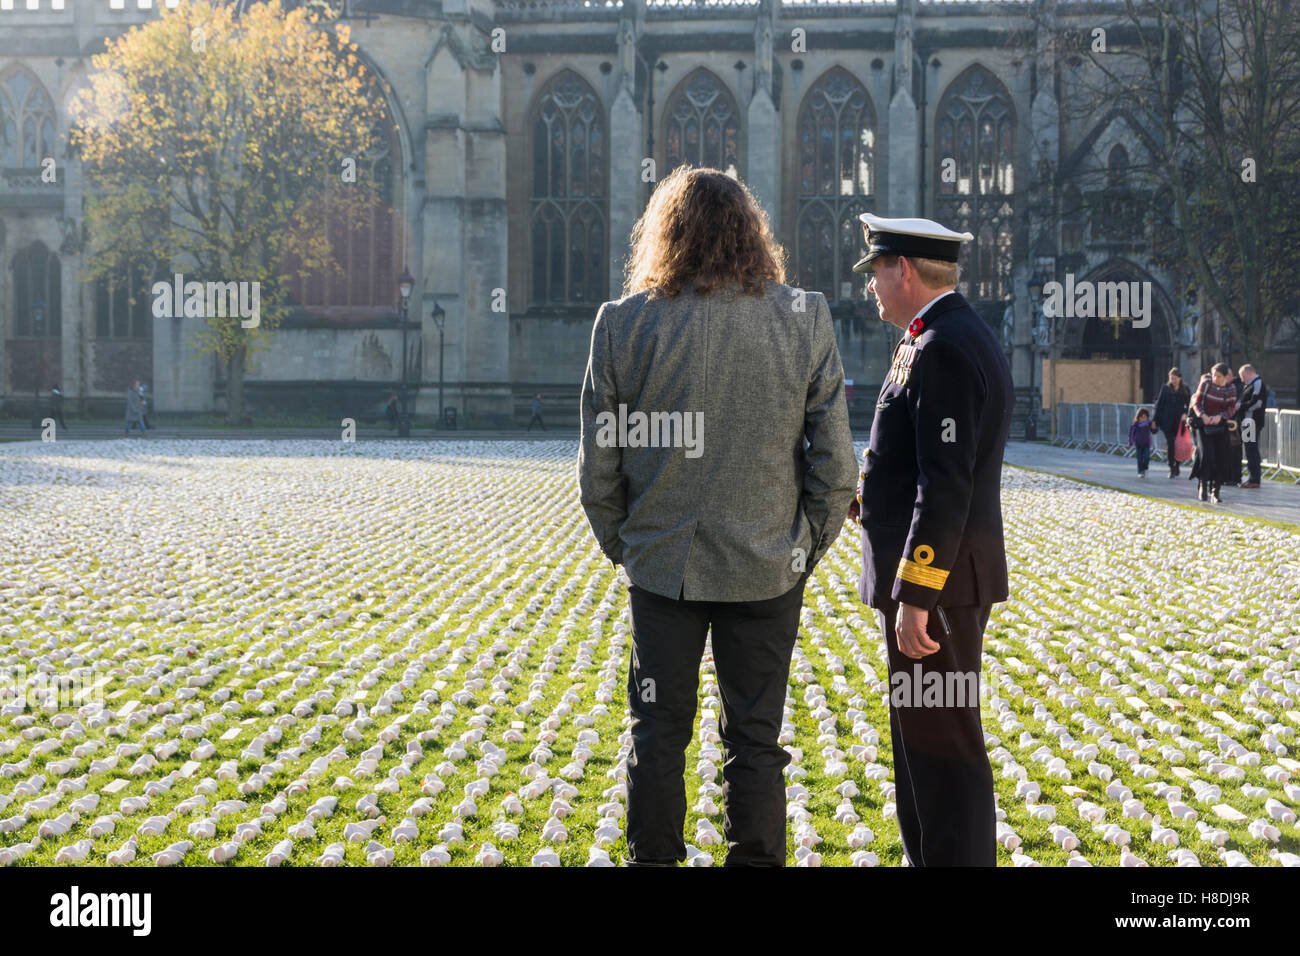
[717, 528]
[933, 559]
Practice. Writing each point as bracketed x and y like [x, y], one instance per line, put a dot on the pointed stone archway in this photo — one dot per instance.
[1154, 345]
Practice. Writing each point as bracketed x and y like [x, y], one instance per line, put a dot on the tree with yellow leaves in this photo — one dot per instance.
[211, 140]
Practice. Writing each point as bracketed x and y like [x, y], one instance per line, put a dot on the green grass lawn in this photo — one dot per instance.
[256, 602]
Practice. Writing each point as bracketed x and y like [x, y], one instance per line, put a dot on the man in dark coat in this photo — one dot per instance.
[135, 410]
[933, 560]
[1251, 406]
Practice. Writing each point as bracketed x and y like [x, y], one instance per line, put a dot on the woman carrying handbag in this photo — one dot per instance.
[1171, 407]
[1210, 415]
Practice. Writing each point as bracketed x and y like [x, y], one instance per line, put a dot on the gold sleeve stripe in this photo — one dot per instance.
[924, 575]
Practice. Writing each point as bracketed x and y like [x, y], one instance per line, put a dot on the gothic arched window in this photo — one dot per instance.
[569, 195]
[366, 253]
[1116, 165]
[836, 181]
[38, 293]
[1118, 217]
[116, 316]
[975, 177]
[702, 125]
[26, 121]
[1073, 220]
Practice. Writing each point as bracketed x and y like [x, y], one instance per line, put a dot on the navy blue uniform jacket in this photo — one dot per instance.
[931, 477]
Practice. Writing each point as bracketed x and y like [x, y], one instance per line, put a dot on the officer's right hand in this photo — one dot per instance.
[855, 511]
[910, 630]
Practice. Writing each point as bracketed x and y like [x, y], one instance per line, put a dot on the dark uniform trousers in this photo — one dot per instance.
[941, 769]
[752, 645]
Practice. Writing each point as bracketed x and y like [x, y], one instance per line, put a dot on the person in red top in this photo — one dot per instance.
[1210, 413]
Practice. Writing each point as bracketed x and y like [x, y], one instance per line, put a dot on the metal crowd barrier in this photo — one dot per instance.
[1103, 426]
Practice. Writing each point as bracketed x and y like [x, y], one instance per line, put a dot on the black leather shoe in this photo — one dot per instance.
[629, 862]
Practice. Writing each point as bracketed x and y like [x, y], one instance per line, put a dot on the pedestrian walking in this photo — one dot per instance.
[1139, 436]
[537, 413]
[1209, 416]
[1170, 410]
[135, 410]
[1252, 408]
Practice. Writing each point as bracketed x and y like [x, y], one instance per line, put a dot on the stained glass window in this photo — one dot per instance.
[569, 195]
[366, 253]
[1117, 210]
[38, 292]
[26, 122]
[976, 128]
[836, 180]
[116, 316]
[702, 125]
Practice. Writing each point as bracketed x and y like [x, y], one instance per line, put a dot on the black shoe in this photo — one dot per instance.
[627, 862]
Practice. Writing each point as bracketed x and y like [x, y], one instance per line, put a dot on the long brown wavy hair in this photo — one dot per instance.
[702, 226]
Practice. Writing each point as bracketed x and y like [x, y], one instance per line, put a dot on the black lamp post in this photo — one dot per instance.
[439, 318]
[1031, 423]
[38, 330]
[405, 283]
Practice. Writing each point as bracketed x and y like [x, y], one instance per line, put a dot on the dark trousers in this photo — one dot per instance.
[1216, 458]
[941, 770]
[1252, 452]
[1143, 458]
[1170, 434]
[752, 644]
[538, 420]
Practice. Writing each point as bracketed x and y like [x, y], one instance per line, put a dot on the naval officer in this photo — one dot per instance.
[933, 561]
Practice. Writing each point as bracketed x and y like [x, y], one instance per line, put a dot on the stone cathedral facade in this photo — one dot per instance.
[527, 135]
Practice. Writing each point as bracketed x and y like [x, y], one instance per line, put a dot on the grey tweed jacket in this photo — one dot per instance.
[716, 462]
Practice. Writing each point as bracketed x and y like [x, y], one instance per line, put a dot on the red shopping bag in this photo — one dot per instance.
[1183, 449]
